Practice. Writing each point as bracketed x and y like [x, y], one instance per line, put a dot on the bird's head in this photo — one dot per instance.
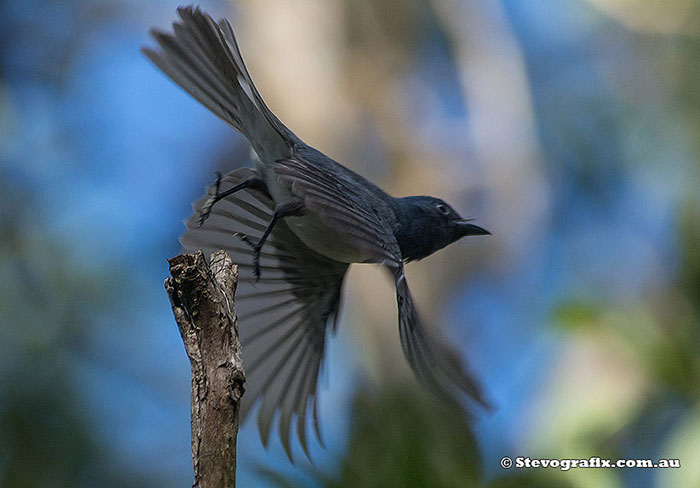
[427, 224]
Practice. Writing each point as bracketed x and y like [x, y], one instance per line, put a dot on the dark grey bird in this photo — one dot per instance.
[294, 224]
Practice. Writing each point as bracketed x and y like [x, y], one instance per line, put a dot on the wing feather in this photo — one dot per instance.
[341, 208]
[282, 317]
[434, 363]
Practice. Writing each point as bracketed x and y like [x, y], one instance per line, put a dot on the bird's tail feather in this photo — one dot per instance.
[203, 58]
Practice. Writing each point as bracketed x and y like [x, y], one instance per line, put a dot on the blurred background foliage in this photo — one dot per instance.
[569, 129]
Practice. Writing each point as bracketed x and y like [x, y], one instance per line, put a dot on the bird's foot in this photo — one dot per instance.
[206, 208]
[256, 247]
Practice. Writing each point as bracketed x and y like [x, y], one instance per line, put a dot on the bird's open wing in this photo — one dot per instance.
[435, 363]
[282, 317]
[349, 209]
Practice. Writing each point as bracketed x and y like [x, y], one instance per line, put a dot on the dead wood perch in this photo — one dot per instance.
[201, 295]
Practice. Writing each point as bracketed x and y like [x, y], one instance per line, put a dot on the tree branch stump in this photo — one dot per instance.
[201, 296]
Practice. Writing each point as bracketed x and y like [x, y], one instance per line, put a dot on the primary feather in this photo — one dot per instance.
[283, 317]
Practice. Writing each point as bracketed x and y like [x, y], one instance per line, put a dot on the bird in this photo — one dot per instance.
[294, 223]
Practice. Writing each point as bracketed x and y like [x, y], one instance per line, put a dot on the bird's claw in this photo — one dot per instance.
[206, 208]
[256, 253]
[205, 211]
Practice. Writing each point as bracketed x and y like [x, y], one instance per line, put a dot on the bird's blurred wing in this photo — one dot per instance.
[350, 210]
[434, 363]
[283, 316]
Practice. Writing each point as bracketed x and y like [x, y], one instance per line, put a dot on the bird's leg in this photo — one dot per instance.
[293, 208]
[253, 182]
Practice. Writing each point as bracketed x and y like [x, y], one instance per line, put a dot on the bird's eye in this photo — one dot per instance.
[442, 208]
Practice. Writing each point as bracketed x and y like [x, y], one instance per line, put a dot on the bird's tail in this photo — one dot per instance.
[203, 58]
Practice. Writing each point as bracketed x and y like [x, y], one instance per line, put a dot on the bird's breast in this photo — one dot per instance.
[323, 239]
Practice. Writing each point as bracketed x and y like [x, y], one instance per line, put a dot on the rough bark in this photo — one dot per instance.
[201, 295]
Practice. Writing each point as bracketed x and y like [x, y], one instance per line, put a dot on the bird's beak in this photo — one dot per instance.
[469, 229]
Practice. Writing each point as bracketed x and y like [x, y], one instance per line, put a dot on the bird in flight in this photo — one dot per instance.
[294, 223]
